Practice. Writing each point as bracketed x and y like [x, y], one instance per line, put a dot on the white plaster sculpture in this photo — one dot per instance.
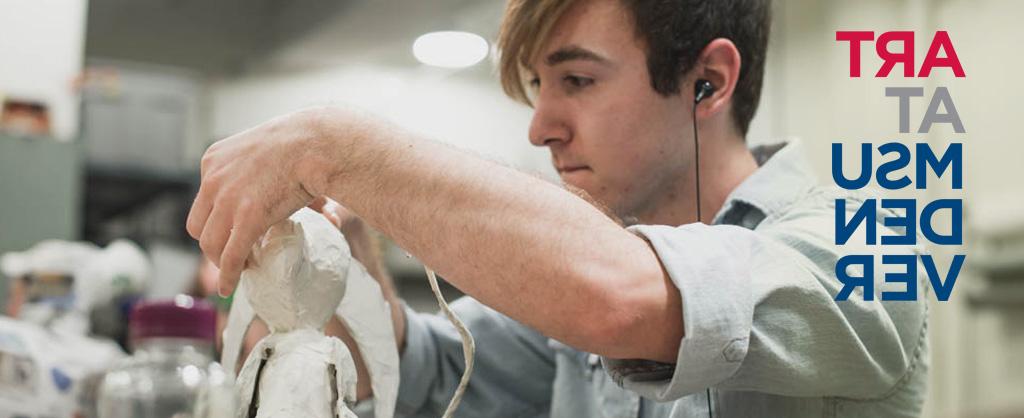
[301, 273]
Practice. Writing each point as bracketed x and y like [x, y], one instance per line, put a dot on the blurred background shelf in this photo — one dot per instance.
[142, 205]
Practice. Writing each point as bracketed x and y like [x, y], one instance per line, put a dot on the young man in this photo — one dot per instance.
[729, 315]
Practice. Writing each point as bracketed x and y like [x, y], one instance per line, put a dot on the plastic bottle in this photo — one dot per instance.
[171, 372]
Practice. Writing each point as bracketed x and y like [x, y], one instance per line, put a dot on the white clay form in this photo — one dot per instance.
[301, 273]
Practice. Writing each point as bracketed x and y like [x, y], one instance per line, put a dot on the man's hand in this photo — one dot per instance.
[251, 181]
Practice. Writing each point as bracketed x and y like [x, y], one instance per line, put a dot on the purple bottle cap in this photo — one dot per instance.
[181, 317]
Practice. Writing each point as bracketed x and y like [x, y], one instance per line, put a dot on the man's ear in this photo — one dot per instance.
[718, 63]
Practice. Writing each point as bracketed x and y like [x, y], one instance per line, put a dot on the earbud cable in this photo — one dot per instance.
[696, 165]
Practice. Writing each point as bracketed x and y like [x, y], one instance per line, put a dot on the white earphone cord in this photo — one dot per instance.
[468, 345]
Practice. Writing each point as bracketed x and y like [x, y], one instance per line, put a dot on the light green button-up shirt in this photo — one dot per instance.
[763, 333]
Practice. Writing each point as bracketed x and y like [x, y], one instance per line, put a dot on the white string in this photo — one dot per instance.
[468, 345]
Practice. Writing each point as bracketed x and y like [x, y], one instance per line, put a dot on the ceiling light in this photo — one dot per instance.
[450, 49]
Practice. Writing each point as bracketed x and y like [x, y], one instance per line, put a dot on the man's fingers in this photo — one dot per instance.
[335, 208]
[345, 218]
[318, 204]
[237, 250]
[328, 208]
[200, 211]
[333, 218]
[215, 233]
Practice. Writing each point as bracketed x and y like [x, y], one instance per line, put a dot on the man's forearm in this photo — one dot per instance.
[525, 247]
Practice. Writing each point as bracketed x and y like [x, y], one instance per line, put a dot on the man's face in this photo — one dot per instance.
[608, 131]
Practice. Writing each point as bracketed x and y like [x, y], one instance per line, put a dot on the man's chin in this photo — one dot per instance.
[578, 188]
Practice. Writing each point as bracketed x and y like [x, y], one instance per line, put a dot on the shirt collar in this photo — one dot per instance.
[783, 177]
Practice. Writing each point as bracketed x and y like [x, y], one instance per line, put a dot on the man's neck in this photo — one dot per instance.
[725, 163]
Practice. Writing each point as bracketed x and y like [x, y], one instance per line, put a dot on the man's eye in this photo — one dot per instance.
[578, 82]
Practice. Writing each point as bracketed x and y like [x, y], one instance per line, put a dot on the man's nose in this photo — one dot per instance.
[548, 126]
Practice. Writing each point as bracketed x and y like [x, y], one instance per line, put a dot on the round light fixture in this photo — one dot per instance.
[450, 49]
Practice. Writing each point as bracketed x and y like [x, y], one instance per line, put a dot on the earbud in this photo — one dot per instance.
[702, 90]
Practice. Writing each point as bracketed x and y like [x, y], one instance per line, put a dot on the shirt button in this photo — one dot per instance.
[735, 350]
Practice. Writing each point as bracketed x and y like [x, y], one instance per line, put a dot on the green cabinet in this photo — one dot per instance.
[40, 191]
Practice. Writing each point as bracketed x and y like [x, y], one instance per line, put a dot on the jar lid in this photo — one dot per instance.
[181, 317]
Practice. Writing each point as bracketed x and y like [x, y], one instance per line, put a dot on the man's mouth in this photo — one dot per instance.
[571, 169]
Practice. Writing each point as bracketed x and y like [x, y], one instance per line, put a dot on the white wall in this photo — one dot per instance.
[989, 343]
[41, 53]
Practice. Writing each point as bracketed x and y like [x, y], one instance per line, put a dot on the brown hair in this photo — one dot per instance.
[674, 32]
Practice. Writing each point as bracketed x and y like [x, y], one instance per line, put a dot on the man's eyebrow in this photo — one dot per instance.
[573, 52]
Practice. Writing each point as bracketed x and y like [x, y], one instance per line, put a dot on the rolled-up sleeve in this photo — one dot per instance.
[717, 309]
[759, 315]
[513, 371]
